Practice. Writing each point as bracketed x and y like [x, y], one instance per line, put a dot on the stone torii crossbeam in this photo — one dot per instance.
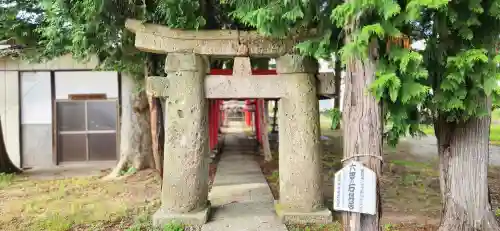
[185, 91]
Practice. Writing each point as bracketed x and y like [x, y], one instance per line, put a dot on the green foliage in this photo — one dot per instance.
[292, 18]
[129, 171]
[90, 28]
[179, 14]
[54, 222]
[274, 177]
[389, 227]
[470, 75]
[401, 74]
[142, 222]
[461, 58]
[456, 71]
[12, 26]
[336, 115]
[173, 226]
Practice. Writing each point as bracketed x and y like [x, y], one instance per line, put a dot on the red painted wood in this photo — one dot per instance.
[264, 72]
[214, 124]
[257, 120]
[230, 72]
[210, 124]
[217, 121]
[248, 115]
[215, 113]
[221, 114]
[221, 72]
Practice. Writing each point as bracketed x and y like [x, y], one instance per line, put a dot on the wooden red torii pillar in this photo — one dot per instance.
[255, 113]
[248, 113]
[215, 115]
[214, 122]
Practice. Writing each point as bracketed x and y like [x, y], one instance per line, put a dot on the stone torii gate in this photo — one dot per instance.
[185, 91]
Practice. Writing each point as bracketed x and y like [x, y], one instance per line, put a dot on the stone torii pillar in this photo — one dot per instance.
[185, 91]
[185, 176]
[301, 194]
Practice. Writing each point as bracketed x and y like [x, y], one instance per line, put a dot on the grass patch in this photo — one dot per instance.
[325, 123]
[494, 132]
[85, 202]
[144, 222]
[494, 128]
[6, 180]
[334, 226]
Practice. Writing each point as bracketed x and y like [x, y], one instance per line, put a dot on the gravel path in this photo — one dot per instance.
[426, 147]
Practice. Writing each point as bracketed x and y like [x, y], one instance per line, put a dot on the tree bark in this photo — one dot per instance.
[337, 81]
[275, 115]
[135, 134]
[6, 165]
[155, 110]
[362, 122]
[264, 128]
[464, 155]
[153, 67]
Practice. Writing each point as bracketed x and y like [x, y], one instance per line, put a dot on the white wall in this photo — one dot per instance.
[9, 113]
[36, 119]
[9, 93]
[65, 62]
[36, 98]
[324, 67]
[86, 82]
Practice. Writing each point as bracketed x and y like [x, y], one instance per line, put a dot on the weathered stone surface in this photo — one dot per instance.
[289, 64]
[160, 39]
[231, 87]
[326, 84]
[242, 67]
[157, 86]
[196, 219]
[186, 62]
[185, 177]
[300, 169]
[323, 216]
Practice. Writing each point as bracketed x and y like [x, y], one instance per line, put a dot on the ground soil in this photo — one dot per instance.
[409, 186]
[268, 168]
[81, 203]
[212, 169]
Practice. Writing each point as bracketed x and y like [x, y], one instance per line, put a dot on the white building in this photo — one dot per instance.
[59, 112]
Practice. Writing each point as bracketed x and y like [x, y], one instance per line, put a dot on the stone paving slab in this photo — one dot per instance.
[240, 196]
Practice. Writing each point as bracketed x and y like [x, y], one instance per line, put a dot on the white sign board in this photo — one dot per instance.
[355, 189]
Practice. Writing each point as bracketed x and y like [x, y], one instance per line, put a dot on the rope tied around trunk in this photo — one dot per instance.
[363, 155]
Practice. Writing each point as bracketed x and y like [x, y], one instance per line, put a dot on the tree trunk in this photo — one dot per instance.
[6, 165]
[264, 128]
[464, 155]
[275, 115]
[362, 123]
[153, 67]
[337, 81]
[135, 134]
[155, 110]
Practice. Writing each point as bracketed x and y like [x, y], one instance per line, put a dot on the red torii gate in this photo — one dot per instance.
[215, 116]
